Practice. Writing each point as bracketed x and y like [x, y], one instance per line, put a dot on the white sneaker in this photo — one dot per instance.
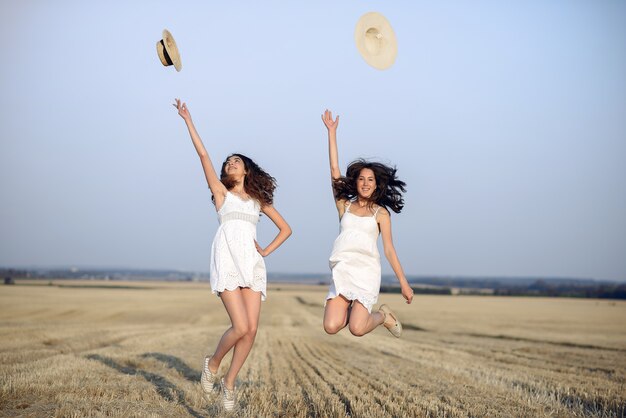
[228, 397]
[208, 380]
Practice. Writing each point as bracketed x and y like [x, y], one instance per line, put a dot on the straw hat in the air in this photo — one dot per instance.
[168, 51]
[376, 40]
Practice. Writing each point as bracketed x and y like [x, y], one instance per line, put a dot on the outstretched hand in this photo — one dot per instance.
[407, 293]
[327, 118]
[182, 109]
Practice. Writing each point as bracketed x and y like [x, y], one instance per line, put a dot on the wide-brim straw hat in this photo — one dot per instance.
[168, 51]
[376, 40]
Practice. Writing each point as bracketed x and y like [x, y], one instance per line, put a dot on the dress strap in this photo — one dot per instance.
[376, 211]
[349, 204]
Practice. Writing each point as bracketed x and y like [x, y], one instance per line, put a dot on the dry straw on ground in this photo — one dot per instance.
[136, 350]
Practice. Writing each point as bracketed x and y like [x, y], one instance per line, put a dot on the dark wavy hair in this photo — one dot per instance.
[388, 191]
[257, 182]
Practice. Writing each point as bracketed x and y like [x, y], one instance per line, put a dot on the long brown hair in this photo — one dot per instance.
[257, 183]
[388, 191]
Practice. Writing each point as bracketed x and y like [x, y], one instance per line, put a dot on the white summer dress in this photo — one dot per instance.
[235, 262]
[355, 262]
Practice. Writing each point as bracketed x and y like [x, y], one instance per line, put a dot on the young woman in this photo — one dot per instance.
[238, 276]
[363, 198]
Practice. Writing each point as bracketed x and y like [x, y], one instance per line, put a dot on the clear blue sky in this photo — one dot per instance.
[506, 120]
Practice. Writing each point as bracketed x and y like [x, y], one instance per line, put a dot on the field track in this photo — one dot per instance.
[88, 349]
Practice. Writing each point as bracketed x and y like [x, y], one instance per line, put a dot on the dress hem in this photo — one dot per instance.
[368, 303]
[218, 291]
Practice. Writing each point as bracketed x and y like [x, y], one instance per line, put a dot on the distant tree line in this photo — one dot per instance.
[557, 287]
[545, 288]
[418, 290]
[13, 273]
[101, 274]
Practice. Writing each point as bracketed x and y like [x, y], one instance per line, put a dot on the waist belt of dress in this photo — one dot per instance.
[239, 216]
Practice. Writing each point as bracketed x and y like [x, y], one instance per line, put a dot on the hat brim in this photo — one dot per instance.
[172, 49]
[376, 41]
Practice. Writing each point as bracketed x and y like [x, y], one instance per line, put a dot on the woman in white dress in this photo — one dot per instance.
[363, 198]
[238, 276]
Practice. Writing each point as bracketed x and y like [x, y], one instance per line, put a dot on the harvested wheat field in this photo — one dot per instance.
[135, 349]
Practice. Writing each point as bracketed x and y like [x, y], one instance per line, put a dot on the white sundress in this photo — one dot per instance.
[354, 261]
[235, 262]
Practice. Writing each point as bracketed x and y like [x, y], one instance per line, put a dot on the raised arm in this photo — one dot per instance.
[384, 221]
[217, 187]
[333, 156]
[284, 231]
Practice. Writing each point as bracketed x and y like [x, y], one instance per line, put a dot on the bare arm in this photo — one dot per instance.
[217, 187]
[384, 220]
[333, 154]
[284, 231]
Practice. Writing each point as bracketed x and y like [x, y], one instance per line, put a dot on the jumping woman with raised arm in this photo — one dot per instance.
[363, 198]
[238, 276]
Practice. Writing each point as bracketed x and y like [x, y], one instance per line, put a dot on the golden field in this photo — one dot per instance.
[76, 349]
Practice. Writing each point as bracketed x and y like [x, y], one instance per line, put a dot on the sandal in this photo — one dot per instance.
[208, 380]
[396, 328]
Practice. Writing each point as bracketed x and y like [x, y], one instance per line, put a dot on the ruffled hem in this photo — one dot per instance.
[367, 301]
[235, 286]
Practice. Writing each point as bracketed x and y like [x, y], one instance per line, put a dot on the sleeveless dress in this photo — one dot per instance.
[235, 262]
[354, 261]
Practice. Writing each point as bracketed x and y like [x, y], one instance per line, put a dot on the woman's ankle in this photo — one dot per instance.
[387, 318]
[384, 315]
[230, 385]
[213, 368]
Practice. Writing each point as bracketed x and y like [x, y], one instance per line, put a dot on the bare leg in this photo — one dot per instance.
[234, 303]
[252, 302]
[336, 314]
[361, 321]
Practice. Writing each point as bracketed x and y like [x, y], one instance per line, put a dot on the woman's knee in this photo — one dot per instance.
[332, 327]
[252, 329]
[241, 329]
[357, 330]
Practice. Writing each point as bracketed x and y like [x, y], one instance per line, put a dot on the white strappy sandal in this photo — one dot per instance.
[396, 328]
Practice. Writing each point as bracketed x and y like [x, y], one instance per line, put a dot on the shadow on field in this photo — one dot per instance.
[412, 327]
[177, 364]
[531, 340]
[164, 388]
[187, 372]
[305, 303]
